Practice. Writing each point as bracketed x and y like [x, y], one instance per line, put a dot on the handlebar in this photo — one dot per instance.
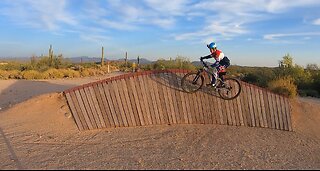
[203, 63]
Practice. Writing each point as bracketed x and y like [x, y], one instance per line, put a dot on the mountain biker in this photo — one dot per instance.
[221, 62]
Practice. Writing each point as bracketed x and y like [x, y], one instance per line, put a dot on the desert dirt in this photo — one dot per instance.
[37, 131]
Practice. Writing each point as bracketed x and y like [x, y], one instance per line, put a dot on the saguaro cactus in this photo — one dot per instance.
[102, 56]
[50, 56]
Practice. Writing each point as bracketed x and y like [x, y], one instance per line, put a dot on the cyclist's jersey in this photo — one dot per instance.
[218, 55]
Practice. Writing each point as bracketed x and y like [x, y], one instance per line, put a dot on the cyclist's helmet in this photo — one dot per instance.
[212, 45]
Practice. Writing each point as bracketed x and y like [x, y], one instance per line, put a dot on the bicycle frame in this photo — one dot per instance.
[204, 70]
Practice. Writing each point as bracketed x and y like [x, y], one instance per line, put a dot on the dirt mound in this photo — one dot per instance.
[41, 134]
[44, 113]
[306, 116]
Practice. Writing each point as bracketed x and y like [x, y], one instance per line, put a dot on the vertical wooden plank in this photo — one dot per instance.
[183, 100]
[101, 105]
[92, 107]
[233, 110]
[245, 105]
[175, 113]
[211, 107]
[284, 115]
[190, 107]
[263, 110]
[147, 101]
[171, 84]
[79, 111]
[154, 105]
[226, 108]
[239, 118]
[83, 110]
[276, 113]
[125, 114]
[130, 114]
[160, 109]
[279, 112]
[106, 105]
[133, 103]
[255, 107]
[201, 115]
[74, 111]
[275, 110]
[219, 110]
[258, 103]
[149, 98]
[239, 107]
[164, 99]
[142, 100]
[288, 112]
[203, 107]
[117, 114]
[193, 110]
[110, 100]
[272, 118]
[251, 108]
[86, 109]
[135, 86]
[120, 104]
[267, 109]
[171, 115]
[97, 107]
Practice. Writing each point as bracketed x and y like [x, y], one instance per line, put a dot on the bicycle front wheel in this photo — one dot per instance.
[192, 82]
[231, 89]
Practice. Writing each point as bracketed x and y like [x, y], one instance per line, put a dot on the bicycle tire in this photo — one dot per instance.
[188, 84]
[230, 84]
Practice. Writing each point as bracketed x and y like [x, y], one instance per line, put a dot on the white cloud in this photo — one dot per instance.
[316, 22]
[39, 14]
[282, 35]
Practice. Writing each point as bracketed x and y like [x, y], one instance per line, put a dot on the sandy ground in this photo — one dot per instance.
[39, 133]
[16, 91]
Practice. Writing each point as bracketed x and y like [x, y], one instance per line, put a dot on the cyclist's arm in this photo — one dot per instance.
[206, 57]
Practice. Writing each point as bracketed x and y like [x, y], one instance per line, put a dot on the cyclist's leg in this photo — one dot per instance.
[214, 74]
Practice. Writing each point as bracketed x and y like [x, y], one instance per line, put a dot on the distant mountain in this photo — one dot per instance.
[98, 59]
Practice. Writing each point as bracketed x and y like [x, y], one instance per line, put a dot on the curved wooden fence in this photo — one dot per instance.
[155, 98]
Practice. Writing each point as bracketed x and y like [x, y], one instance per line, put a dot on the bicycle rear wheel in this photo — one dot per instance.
[231, 89]
[192, 82]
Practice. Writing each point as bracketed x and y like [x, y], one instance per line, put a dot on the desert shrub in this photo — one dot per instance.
[88, 72]
[31, 74]
[15, 74]
[178, 63]
[4, 74]
[284, 86]
[69, 73]
[53, 74]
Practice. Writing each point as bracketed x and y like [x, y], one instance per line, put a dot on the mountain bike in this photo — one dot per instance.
[228, 89]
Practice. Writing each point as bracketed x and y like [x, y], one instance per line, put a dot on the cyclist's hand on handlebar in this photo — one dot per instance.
[201, 58]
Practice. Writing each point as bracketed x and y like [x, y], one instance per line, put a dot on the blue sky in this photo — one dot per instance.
[250, 33]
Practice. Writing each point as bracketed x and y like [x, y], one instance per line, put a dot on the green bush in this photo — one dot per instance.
[284, 86]
[309, 92]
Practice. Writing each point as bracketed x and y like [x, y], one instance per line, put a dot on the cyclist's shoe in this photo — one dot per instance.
[211, 85]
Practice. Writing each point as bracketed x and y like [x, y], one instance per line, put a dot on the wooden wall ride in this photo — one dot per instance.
[155, 98]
